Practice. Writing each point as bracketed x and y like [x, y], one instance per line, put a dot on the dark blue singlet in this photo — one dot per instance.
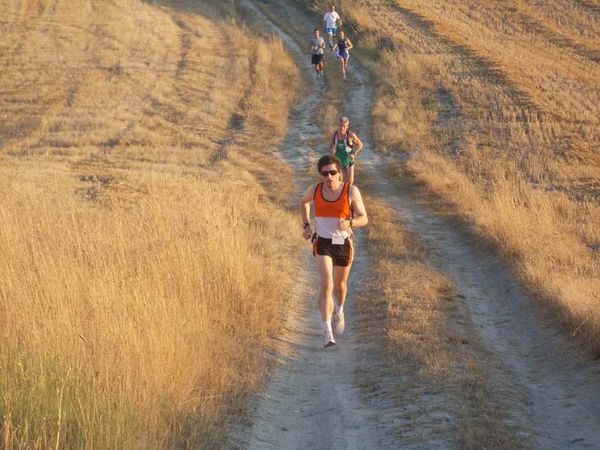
[342, 51]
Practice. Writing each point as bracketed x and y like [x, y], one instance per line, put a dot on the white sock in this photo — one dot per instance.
[338, 309]
[327, 327]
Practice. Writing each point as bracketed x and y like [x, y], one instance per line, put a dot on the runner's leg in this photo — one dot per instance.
[349, 174]
[340, 283]
[330, 36]
[325, 265]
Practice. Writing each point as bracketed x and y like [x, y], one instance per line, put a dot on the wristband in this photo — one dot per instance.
[350, 222]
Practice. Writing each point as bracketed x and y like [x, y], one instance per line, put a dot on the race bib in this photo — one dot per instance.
[337, 239]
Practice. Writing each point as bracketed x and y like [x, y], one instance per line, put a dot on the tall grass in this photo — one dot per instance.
[144, 260]
[129, 327]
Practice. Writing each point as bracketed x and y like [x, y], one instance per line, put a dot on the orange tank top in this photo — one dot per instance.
[328, 213]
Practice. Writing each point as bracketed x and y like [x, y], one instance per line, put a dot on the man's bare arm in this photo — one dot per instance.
[305, 211]
[332, 145]
[359, 143]
[360, 218]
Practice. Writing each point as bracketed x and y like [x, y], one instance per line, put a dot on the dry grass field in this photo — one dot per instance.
[142, 217]
[496, 103]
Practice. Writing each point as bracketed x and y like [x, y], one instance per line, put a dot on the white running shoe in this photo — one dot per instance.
[328, 340]
[338, 323]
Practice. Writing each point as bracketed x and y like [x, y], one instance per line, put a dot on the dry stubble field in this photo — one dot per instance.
[142, 272]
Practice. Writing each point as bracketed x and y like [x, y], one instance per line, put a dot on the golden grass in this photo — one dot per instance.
[143, 257]
[425, 340]
[519, 38]
[497, 103]
[145, 316]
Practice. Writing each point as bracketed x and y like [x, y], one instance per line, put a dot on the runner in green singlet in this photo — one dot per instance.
[346, 145]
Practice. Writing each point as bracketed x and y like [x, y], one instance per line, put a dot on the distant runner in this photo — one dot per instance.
[343, 47]
[338, 209]
[317, 44]
[346, 146]
[330, 22]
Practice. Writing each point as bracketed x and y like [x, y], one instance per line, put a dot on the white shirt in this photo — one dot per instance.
[330, 19]
[329, 227]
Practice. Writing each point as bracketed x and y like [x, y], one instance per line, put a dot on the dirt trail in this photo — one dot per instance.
[312, 400]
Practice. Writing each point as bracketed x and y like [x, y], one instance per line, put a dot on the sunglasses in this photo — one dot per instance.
[329, 172]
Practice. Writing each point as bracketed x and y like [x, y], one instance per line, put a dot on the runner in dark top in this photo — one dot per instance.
[343, 46]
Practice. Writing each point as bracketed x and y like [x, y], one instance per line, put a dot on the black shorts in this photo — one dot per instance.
[340, 253]
[317, 59]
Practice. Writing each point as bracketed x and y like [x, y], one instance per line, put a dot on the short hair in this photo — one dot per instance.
[316, 29]
[344, 119]
[329, 159]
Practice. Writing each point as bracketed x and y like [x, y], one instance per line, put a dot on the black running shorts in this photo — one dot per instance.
[340, 253]
[317, 59]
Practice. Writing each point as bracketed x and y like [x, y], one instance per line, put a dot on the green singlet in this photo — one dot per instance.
[341, 150]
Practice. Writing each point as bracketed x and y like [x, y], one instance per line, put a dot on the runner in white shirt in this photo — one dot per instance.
[331, 21]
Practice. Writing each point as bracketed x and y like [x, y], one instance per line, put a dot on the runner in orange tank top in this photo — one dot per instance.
[338, 209]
